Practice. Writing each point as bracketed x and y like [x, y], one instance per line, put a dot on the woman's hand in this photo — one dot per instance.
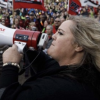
[12, 55]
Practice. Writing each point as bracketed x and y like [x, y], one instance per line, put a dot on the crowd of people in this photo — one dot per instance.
[34, 19]
[70, 68]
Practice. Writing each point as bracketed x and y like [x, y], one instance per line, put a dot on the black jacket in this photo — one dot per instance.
[48, 84]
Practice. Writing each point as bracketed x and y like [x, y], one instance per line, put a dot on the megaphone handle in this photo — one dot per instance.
[21, 45]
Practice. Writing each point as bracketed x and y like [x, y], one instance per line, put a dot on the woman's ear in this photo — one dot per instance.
[78, 48]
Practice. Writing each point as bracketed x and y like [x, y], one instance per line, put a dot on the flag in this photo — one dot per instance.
[73, 6]
[37, 4]
[79, 10]
[93, 3]
[7, 0]
[5, 4]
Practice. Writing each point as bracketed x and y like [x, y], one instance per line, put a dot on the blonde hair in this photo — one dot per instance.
[87, 34]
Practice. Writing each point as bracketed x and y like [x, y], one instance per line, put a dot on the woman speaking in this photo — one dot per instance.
[70, 72]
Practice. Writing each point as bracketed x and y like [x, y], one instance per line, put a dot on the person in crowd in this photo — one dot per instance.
[11, 20]
[32, 26]
[98, 8]
[10, 10]
[48, 17]
[32, 17]
[37, 15]
[3, 11]
[3, 19]
[14, 14]
[46, 22]
[23, 17]
[26, 23]
[54, 15]
[38, 23]
[42, 19]
[7, 22]
[50, 12]
[58, 14]
[91, 12]
[62, 14]
[16, 22]
[49, 31]
[98, 17]
[51, 20]
[57, 23]
[85, 12]
[7, 14]
[18, 11]
[70, 72]
[21, 21]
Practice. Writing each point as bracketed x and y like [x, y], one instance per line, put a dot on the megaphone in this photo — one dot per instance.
[33, 39]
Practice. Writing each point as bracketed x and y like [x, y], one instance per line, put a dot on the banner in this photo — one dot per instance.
[7, 0]
[74, 5]
[93, 3]
[36, 4]
[5, 4]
